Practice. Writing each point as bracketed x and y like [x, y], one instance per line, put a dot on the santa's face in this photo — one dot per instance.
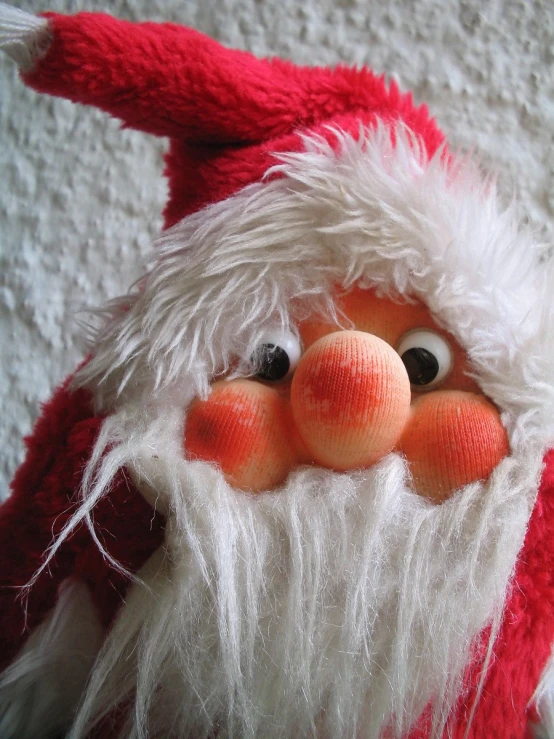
[340, 598]
[344, 399]
[341, 603]
[347, 474]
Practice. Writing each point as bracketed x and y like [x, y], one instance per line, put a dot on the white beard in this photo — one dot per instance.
[337, 606]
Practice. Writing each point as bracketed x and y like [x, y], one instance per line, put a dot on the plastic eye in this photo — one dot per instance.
[277, 355]
[427, 358]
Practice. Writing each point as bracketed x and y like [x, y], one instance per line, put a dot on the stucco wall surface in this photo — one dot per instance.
[80, 199]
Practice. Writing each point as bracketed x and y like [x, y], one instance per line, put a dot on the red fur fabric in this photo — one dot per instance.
[525, 640]
[524, 643]
[227, 112]
[44, 494]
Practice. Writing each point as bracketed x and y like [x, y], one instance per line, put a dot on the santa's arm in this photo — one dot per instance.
[517, 696]
[44, 496]
[42, 499]
[52, 626]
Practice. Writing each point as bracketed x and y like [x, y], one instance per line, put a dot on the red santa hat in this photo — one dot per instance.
[231, 118]
[226, 112]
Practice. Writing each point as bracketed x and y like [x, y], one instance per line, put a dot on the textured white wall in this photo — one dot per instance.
[80, 199]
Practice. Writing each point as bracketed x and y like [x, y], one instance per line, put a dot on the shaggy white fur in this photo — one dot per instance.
[340, 604]
[370, 213]
[337, 606]
[41, 689]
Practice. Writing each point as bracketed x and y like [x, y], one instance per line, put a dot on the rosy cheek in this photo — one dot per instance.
[451, 439]
[244, 427]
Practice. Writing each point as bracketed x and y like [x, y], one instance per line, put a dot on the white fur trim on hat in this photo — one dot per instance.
[365, 212]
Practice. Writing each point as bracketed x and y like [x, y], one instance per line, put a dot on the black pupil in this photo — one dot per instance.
[273, 362]
[422, 366]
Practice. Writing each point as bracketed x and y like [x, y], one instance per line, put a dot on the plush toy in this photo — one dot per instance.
[301, 486]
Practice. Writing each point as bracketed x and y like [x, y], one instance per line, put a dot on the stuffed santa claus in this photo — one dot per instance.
[301, 486]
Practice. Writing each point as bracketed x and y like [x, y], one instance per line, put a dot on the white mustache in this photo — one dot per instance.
[339, 606]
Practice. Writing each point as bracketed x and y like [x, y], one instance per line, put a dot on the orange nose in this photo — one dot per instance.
[350, 399]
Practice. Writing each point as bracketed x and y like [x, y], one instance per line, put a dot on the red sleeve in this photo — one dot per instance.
[42, 500]
[527, 634]
[524, 643]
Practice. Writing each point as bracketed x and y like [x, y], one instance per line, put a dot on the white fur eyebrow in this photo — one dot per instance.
[368, 213]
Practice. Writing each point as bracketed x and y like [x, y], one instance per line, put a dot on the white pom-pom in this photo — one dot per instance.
[23, 37]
